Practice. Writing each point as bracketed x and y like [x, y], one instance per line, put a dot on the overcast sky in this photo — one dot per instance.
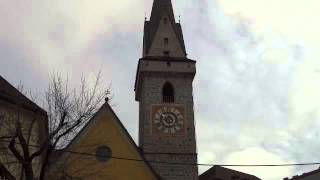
[257, 86]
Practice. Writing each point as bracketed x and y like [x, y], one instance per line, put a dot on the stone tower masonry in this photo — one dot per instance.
[163, 89]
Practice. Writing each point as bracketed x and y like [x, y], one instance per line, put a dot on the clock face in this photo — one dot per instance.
[168, 119]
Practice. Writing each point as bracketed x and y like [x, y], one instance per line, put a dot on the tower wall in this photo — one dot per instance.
[168, 149]
[164, 91]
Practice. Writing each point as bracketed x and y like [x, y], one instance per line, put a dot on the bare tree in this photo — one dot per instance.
[68, 110]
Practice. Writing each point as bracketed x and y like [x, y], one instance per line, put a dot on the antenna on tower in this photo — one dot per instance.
[145, 16]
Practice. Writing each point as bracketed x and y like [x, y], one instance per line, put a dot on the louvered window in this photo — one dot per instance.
[168, 93]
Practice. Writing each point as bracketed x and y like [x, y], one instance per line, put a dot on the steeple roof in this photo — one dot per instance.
[150, 28]
[159, 6]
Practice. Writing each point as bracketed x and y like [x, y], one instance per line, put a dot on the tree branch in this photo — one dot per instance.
[5, 173]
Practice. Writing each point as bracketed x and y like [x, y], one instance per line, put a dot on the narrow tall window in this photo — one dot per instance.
[167, 93]
[166, 41]
[165, 20]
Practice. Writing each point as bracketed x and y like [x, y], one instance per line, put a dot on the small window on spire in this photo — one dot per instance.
[165, 20]
[166, 53]
[166, 41]
[168, 93]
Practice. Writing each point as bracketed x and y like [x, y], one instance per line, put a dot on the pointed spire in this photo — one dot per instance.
[160, 6]
[158, 9]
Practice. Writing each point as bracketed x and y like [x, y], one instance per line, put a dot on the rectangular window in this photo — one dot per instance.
[166, 41]
[166, 53]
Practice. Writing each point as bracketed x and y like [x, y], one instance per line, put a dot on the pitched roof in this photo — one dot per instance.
[76, 139]
[158, 7]
[12, 95]
[150, 27]
[218, 173]
[302, 176]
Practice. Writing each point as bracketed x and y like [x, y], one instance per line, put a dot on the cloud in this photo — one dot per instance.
[256, 86]
[75, 38]
[291, 19]
[256, 155]
[244, 88]
[63, 35]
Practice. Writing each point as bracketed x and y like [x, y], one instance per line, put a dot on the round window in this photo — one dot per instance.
[103, 153]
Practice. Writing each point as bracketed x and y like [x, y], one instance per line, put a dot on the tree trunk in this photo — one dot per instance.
[28, 171]
[44, 165]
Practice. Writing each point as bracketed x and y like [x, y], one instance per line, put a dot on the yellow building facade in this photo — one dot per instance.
[103, 149]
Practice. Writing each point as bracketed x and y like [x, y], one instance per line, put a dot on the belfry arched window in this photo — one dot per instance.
[168, 93]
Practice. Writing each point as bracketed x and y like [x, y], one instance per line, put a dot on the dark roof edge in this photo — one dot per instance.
[10, 100]
[217, 166]
[181, 38]
[304, 175]
[29, 105]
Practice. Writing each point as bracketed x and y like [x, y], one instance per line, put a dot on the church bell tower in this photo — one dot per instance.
[163, 89]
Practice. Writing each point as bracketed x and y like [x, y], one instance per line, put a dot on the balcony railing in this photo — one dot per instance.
[168, 99]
